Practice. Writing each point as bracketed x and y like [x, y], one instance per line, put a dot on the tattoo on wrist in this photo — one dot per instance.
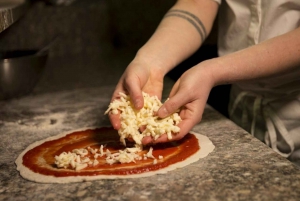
[191, 18]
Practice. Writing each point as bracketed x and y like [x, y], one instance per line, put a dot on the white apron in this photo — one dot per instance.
[268, 109]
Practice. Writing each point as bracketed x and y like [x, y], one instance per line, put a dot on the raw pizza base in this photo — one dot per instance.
[206, 147]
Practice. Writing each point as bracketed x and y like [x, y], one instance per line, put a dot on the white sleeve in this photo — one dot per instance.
[218, 1]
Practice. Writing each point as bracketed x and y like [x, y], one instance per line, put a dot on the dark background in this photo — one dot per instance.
[92, 33]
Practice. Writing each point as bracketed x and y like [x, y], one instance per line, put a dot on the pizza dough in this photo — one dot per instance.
[205, 144]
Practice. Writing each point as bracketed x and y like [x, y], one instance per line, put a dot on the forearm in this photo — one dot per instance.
[269, 58]
[180, 34]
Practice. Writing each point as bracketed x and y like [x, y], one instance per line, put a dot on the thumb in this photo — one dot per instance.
[172, 105]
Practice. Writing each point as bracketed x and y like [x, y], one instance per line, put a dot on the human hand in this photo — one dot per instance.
[139, 76]
[190, 94]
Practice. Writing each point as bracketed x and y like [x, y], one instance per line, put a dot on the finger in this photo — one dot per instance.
[189, 116]
[175, 88]
[162, 139]
[115, 120]
[142, 128]
[173, 104]
[135, 92]
[119, 89]
[185, 127]
[147, 140]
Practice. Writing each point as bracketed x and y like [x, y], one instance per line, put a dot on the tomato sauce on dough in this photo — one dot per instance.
[41, 158]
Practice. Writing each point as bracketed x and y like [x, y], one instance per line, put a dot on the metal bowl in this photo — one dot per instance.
[20, 70]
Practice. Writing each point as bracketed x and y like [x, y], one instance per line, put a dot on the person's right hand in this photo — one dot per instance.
[139, 76]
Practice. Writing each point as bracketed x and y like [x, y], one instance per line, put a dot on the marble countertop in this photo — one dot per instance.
[240, 167]
[11, 11]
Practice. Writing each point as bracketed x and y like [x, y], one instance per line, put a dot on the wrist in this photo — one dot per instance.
[207, 70]
[218, 71]
[152, 62]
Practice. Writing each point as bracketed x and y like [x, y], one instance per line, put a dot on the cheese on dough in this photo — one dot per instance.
[78, 159]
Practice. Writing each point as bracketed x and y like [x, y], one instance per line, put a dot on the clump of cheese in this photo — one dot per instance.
[76, 159]
[132, 120]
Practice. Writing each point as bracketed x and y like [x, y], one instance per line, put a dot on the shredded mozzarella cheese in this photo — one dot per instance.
[79, 159]
[131, 122]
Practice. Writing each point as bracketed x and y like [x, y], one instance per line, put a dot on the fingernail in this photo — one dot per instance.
[138, 104]
[163, 112]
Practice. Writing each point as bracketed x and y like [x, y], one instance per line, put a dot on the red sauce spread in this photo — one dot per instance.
[41, 158]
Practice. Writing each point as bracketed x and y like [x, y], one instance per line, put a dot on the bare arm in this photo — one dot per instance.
[275, 56]
[180, 33]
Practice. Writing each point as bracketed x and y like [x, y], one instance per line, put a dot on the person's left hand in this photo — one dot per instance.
[190, 94]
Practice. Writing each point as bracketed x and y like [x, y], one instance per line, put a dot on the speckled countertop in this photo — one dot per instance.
[11, 11]
[240, 167]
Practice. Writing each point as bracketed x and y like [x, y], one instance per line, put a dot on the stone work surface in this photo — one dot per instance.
[74, 92]
[240, 167]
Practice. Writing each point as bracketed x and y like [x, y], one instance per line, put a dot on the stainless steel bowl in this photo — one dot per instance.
[20, 70]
